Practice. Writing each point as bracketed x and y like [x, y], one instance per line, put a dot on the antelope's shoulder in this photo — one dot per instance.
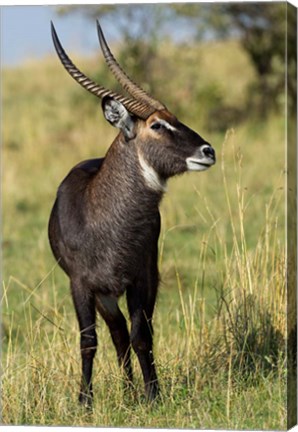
[80, 175]
[89, 166]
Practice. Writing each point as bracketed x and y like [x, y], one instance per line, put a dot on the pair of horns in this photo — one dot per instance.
[141, 104]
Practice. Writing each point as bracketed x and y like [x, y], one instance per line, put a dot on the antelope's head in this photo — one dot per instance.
[165, 146]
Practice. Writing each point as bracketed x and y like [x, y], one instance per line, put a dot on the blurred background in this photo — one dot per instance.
[255, 31]
[228, 70]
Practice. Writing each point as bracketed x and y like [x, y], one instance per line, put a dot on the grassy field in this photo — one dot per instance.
[220, 316]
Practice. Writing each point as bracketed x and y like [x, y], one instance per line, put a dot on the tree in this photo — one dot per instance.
[268, 33]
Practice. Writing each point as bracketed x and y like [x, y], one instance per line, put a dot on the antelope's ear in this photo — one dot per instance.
[118, 116]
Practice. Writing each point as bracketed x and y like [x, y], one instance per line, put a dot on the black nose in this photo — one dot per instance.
[209, 152]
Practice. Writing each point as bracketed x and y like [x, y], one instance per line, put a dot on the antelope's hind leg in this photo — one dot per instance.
[85, 309]
[108, 308]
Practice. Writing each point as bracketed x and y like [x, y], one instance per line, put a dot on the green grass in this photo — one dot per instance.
[220, 316]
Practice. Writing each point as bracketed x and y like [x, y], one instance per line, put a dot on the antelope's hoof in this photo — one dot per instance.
[86, 400]
[152, 393]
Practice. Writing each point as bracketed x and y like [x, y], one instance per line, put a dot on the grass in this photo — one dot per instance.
[220, 316]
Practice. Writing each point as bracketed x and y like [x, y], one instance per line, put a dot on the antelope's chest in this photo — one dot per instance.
[116, 256]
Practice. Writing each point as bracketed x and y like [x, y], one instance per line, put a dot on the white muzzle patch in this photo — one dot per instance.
[196, 165]
[199, 162]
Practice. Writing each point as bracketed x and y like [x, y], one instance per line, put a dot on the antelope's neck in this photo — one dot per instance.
[126, 179]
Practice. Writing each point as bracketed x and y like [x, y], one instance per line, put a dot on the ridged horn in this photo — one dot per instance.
[136, 107]
[132, 88]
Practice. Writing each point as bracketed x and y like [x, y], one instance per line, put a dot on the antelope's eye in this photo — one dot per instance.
[156, 126]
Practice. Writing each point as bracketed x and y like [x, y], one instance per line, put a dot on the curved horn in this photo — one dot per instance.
[138, 108]
[132, 88]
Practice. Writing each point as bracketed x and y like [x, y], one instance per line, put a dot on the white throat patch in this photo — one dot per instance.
[152, 179]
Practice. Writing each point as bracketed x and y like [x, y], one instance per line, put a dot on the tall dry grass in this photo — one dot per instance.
[220, 316]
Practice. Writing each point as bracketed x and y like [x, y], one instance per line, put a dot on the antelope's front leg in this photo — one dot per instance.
[111, 313]
[141, 301]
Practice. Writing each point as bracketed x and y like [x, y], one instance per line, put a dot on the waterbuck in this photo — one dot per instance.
[105, 223]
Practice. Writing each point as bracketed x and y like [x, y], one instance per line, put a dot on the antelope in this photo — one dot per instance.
[105, 222]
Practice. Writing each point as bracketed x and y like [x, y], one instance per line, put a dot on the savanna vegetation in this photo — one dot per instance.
[220, 320]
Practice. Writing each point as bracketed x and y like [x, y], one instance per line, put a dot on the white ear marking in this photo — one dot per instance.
[119, 117]
[151, 177]
[115, 112]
